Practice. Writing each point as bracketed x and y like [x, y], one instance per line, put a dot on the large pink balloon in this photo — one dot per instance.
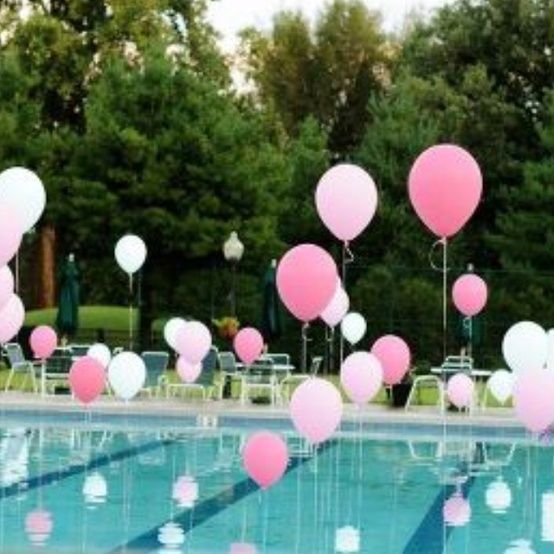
[265, 458]
[11, 233]
[248, 345]
[361, 377]
[460, 390]
[12, 316]
[316, 409]
[188, 372]
[43, 341]
[87, 378]
[394, 355]
[469, 294]
[306, 279]
[346, 200]
[456, 511]
[6, 285]
[445, 187]
[533, 394]
[193, 341]
[335, 311]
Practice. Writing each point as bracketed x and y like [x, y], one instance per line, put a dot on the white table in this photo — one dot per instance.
[477, 373]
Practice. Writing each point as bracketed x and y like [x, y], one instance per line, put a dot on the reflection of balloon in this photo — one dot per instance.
[171, 535]
[445, 187]
[87, 379]
[95, 488]
[361, 377]
[547, 516]
[38, 526]
[501, 385]
[101, 353]
[10, 235]
[353, 327]
[188, 372]
[248, 345]
[346, 200]
[525, 346]
[12, 316]
[130, 253]
[171, 330]
[194, 341]
[316, 409]
[469, 294]
[498, 496]
[6, 285]
[306, 280]
[127, 374]
[460, 390]
[265, 457]
[520, 546]
[456, 511]
[347, 540]
[533, 394]
[185, 491]
[394, 355]
[337, 308]
[242, 548]
[43, 341]
[23, 193]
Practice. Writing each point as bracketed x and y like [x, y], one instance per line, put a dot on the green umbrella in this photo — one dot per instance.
[271, 305]
[67, 320]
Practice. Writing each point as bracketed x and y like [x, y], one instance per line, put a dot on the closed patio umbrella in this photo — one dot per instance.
[67, 320]
[271, 305]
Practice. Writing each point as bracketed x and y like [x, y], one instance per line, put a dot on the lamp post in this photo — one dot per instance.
[233, 250]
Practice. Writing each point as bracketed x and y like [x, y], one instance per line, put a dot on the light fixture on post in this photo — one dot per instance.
[233, 250]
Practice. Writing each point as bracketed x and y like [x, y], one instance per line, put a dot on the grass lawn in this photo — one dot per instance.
[115, 318]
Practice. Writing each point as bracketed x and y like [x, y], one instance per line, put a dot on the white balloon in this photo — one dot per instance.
[525, 347]
[130, 253]
[171, 329]
[6, 285]
[23, 191]
[550, 354]
[353, 327]
[501, 385]
[498, 496]
[95, 488]
[127, 374]
[101, 353]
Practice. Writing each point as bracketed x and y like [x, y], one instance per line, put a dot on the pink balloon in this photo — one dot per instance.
[12, 316]
[456, 511]
[242, 548]
[87, 378]
[188, 372]
[469, 294]
[335, 311]
[316, 409]
[346, 200]
[248, 345]
[185, 491]
[361, 377]
[445, 187]
[533, 394]
[6, 285]
[460, 390]
[193, 341]
[11, 233]
[38, 526]
[394, 355]
[306, 280]
[265, 458]
[43, 341]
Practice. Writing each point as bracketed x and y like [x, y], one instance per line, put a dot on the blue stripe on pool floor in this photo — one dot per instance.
[148, 542]
[95, 463]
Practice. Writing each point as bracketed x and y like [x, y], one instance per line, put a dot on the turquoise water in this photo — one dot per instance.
[115, 484]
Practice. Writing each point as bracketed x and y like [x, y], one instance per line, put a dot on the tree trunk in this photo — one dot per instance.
[47, 275]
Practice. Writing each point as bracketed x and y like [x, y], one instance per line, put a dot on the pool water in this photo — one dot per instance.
[69, 483]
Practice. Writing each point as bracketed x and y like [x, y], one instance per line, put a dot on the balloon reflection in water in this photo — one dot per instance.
[171, 536]
[547, 520]
[521, 546]
[347, 540]
[498, 496]
[242, 548]
[95, 489]
[456, 511]
[38, 526]
[185, 491]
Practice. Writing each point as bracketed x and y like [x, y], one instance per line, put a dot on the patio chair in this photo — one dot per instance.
[79, 350]
[261, 377]
[298, 378]
[156, 365]
[19, 365]
[56, 370]
[229, 370]
[205, 382]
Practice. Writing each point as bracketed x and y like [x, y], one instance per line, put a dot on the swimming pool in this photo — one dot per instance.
[114, 484]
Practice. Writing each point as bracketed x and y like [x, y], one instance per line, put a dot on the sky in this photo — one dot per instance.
[230, 16]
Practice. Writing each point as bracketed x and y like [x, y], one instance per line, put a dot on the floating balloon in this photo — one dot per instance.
[171, 330]
[249, 345]
[456, 511]
[194, 341]
[95, 489]
[130, 253]
[533, 394]
[306, 280]
[185, 491]
[6, 285]
[12, 316]
[38, 526]
[43, 341]
[498, 496]
[127, 374]
[316, 409]
[242, 548]
[265, 458]
[346, 200]
[87, 379]
[394, 355]
[335, 311]
[101, 353]
[460, 390]
[361, 377]
[525, 347]
[501, 385]
[11, 234]
[22, 192]
[469, 294]
[353, 327]
[445, 187]
[188, 372]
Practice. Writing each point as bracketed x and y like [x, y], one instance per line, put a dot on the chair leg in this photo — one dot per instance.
[34, 381]
[410, 396]
[8, 381]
